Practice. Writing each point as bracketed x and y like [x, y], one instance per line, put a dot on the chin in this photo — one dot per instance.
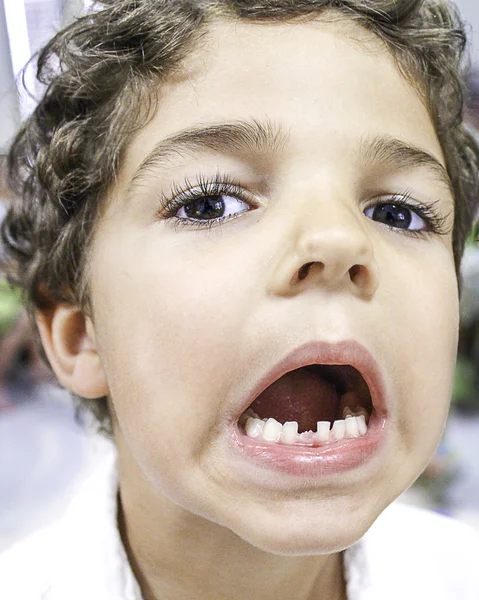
[298, 535]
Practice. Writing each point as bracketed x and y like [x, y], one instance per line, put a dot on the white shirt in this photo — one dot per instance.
[407, 554]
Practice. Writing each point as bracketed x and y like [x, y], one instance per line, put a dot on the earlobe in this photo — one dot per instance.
[68, 338]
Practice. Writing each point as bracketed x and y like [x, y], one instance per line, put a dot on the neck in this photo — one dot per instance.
[176, 554]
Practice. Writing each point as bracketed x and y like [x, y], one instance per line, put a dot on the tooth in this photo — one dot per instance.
[347, 399]
[353, 412]
[306, 437]
[254, 427]
[290, 432]
[338, 430]
[352, 429]
[362, 427]
[249, 412]
[322, 434]
[272, 430]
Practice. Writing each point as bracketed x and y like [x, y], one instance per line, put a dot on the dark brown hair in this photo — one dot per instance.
[101, 74]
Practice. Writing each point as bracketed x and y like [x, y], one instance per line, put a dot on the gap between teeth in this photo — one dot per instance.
[271, 430]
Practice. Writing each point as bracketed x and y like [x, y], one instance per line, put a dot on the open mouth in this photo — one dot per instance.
[311, 406]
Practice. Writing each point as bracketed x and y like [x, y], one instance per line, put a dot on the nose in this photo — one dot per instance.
[330, 248]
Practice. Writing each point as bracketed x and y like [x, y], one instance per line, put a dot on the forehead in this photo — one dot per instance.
[318, 79]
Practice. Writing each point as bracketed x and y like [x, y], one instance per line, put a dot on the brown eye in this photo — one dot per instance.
[396, 216]
[209, 208]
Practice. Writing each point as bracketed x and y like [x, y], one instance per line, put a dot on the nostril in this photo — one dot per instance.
[304, 271]
[354, 271]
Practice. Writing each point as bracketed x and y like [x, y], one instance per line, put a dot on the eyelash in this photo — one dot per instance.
[429, 213]
[188, 191]
[223, 185]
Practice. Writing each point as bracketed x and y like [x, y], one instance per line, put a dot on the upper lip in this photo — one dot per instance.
[347, 352]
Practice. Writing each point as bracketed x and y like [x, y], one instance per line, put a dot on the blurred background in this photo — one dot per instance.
[44, 453]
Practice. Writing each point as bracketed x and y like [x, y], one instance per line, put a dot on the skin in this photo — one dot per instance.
[186, 320]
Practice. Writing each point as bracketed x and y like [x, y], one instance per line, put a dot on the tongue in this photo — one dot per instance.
[301, 396]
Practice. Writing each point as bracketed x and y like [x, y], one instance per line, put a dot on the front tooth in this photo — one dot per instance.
[362, 427]
[272, 430]
[290, 432]
[306, 437]
[352, 430]
[322, 434]
[254, 427]
[339, 429]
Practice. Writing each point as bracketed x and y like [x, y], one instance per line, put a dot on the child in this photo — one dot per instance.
[239, 226]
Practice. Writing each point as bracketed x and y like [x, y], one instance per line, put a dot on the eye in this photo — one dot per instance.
[206, 202]
[210, 208]
[397, 216]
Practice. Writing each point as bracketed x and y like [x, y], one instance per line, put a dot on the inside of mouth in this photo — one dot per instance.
[315, 393]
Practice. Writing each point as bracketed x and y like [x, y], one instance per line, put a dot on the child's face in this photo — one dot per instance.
[193, 322]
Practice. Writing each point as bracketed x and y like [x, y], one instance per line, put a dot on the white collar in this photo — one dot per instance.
[91, 540]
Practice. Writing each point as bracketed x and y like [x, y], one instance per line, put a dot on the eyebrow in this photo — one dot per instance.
[266, 137]
[241, 136]
[392, 152]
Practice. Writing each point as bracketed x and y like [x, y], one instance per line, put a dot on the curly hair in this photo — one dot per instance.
[101, 74]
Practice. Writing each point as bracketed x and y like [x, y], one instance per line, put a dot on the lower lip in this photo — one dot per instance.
[306, 461]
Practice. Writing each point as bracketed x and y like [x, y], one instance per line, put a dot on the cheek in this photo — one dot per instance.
[426, 326]
[172, 334]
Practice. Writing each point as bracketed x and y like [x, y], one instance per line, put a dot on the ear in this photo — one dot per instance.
[68, 337]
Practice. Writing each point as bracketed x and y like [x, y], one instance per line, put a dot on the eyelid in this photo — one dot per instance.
[202, 185]
[405, 198]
